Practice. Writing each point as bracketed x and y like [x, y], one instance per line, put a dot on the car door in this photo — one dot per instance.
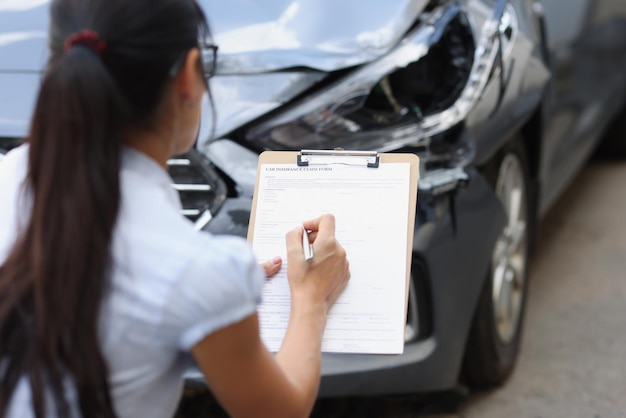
[586, 44]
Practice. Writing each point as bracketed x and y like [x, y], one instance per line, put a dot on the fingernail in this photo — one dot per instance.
[276, 260]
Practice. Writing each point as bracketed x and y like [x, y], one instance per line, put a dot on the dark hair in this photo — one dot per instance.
[55, 278]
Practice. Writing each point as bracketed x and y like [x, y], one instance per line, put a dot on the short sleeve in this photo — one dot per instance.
[221, 286]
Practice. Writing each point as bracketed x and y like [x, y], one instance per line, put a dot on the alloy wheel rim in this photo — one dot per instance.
[510, 252]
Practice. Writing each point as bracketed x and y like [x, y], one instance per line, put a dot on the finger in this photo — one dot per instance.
[312, 224]
[272, 266]
[324, 224]
[293, 240]
[312, 236]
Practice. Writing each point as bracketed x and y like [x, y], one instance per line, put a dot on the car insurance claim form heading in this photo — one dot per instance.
[371, 208]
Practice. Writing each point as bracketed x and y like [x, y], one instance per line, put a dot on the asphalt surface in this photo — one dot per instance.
[573, 357]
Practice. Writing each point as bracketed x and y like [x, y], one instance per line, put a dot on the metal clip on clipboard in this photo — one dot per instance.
[308, 157]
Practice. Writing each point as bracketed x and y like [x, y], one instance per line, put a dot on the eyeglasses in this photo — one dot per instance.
[208, 57]
[208, 53]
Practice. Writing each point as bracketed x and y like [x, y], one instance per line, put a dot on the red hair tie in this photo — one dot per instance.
[88, 38]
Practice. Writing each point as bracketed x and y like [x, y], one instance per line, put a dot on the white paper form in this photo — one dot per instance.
[371, 210]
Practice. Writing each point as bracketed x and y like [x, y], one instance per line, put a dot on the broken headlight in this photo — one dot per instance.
[425, 86]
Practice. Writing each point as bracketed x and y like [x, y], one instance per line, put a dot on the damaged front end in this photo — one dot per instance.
[412, 93]
[414, 97]
[419, 84]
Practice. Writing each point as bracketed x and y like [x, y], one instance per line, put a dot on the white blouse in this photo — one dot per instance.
[171, 286]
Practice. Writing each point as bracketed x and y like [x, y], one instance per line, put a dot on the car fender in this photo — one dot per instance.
[518, 85]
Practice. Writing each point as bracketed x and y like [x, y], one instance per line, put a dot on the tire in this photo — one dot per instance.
[496, 331]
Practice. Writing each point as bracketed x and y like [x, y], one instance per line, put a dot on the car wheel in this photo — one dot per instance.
[495, 335]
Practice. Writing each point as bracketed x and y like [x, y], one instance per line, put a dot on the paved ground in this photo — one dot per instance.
[573, 357]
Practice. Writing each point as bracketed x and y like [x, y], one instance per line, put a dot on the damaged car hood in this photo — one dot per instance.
[268, 49]
[254, 37]
[269, 52]
[325, 35]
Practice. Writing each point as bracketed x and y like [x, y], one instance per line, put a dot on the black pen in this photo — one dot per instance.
[307, 246]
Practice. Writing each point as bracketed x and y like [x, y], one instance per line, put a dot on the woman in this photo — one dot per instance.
[106, 291]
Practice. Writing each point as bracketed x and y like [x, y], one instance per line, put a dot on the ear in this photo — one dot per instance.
[189, 81]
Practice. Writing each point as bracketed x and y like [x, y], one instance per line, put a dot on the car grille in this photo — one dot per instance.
[201, 189]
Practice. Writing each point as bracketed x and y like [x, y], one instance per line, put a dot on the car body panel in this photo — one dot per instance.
[244, 98]
[23, 35]
[317, 34]
[586, 42]
[18, 92]
[23, 54]
[514, 95]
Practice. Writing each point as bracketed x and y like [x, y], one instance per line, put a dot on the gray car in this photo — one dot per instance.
[503, 101]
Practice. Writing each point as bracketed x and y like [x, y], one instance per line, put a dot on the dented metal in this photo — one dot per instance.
[304, 125]
[326, 35]
[322, 118]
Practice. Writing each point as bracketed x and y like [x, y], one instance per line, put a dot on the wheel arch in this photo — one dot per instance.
[486, 361]
[531, 134]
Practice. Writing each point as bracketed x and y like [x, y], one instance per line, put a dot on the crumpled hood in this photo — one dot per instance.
[255, 39]
[253, 36]
[321, 34]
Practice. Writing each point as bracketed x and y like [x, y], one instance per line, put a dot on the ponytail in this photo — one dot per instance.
[54, 280]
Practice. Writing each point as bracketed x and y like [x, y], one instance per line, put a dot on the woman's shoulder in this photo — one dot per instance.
[182, 276]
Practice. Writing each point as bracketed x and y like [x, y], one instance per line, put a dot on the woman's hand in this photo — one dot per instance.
[271, 267]
[319, 282]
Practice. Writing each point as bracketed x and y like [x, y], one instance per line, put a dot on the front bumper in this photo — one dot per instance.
[454, 236]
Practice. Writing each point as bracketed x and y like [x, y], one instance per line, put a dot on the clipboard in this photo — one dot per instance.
[369, 163]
